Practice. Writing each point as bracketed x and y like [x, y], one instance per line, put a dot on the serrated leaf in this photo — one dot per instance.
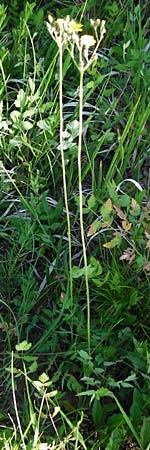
[120, 213]
[126, 225]
[23, 346]
[114, 242]
[134, 204]
[43, 378]
[106, 209]
[93, 228]
[91, 201]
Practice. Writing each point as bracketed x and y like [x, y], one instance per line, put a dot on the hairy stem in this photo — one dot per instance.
[63, 168]
[80, 196]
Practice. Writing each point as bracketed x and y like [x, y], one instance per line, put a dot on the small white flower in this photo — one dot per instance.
[50, 18]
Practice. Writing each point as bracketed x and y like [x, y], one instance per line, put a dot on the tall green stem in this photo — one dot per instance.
[80, 196]
[63, 167]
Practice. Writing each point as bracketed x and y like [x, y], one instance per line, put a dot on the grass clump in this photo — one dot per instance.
[74, 228]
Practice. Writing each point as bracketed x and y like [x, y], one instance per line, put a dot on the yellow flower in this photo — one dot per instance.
[74, 26]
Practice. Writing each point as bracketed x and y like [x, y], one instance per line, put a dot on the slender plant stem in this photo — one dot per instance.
[15, 403]
[80, 196]
[63, 168]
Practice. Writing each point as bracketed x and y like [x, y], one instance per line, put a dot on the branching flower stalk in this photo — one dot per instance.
[66, 33]
[64, 170]
[56, 30]
[85, 42]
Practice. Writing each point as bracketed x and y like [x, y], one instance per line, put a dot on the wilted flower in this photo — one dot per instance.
[64, 30]
[60, 24]
[87, 40]
[66, 33]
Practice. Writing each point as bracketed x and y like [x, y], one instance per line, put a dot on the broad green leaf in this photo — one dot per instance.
[84, 355]
[136, 407]
[115, 439]
[97, 413]
[145, 432]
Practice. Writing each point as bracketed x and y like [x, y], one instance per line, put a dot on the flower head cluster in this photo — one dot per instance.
[63, 31]
[66, 33]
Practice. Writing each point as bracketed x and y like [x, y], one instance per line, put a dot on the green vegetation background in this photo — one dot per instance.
[54, 387]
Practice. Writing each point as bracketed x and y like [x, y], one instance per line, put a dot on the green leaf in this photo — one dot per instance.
[96, 265]
[45, 125]
[84, 355]
[145, 432]
[15, 116]
[91, 201]
[31, 83]
[136, 407]
[124, 200]
[43, 378]
[52, 393]
[97, 413]
[115, 439]
[102, 392]
[23, 346]
[106, 209]
[27, 125]
[89, 393]
[78, 272]
[33, 367]
[21, 99]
